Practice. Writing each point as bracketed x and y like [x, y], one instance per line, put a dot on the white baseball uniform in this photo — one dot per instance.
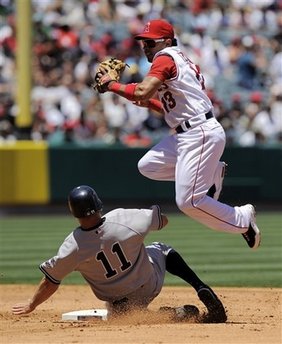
[112, 257]
[190, 158]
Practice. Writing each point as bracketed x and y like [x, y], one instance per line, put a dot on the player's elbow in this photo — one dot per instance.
[143, 92]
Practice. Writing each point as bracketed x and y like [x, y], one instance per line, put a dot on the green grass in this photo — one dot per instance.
[220, 259]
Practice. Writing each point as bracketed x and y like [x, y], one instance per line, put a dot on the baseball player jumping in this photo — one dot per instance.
[191, 155]
[109, 253]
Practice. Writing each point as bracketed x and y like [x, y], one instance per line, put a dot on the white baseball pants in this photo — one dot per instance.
[190, 159]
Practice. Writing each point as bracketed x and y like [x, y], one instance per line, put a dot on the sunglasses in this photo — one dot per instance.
[151, 43]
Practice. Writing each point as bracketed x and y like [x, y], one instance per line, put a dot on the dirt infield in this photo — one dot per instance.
[254, 316]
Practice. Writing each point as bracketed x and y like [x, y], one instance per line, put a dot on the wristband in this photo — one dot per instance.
[129, 91]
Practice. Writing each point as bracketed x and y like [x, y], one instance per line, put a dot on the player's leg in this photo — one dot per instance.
[165, 258]
[194, 171]
[176, 265]
[140, 298]
[157, 253]
[159, 162]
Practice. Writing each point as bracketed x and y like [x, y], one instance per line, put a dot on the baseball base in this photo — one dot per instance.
[86, 314]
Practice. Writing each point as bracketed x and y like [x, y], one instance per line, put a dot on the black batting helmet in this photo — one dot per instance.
[83, 201]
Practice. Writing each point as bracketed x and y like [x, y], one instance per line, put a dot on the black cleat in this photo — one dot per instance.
[216, 312]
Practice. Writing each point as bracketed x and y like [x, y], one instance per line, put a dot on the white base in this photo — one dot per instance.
[86, 314]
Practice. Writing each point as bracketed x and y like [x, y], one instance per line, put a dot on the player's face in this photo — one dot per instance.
[152, 46]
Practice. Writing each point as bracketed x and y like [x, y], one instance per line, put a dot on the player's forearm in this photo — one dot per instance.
[126, 91]
[44, 291]
[135, 91]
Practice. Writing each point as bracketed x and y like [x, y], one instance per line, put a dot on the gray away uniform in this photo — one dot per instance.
[112, 257]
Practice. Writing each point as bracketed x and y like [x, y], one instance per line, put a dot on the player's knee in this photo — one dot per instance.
[185, 205]
[189, 206]
[188, 209]
[143, 168]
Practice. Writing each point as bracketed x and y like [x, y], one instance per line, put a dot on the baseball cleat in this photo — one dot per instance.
[216, 312]
[252, 236]
[220, 172]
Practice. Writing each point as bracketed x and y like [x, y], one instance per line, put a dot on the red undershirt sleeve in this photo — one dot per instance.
[163, 68]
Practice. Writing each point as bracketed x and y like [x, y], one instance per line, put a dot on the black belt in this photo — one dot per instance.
[180, 130]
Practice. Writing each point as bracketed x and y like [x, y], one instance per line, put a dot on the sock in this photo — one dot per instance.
[178, 267]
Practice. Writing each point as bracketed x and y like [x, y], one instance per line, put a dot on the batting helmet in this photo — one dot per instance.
[83, 201]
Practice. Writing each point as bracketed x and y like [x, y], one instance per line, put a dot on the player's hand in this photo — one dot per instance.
[108, 71]
[22, 308]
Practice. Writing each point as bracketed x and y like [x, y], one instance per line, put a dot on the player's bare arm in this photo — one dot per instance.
[143, 91]
[45, 289]
[146, 89]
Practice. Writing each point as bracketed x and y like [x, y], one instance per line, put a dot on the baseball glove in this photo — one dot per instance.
[107, 71]
[184, 313]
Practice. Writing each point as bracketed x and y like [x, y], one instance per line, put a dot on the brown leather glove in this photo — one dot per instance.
[107, 71]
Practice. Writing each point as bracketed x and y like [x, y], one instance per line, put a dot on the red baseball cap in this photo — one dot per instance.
[157, 28]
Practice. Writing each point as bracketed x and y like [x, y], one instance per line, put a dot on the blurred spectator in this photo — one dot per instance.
[136, 139]
[65, 37]
[257, 126]
[275, 109]
[84, 130]
[275, 66]
[6, 132]
[115, 114]
[247, 68]
[236, 43]
[231, 120]
[8, 37]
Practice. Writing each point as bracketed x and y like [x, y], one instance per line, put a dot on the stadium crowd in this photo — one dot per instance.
[236, 43]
